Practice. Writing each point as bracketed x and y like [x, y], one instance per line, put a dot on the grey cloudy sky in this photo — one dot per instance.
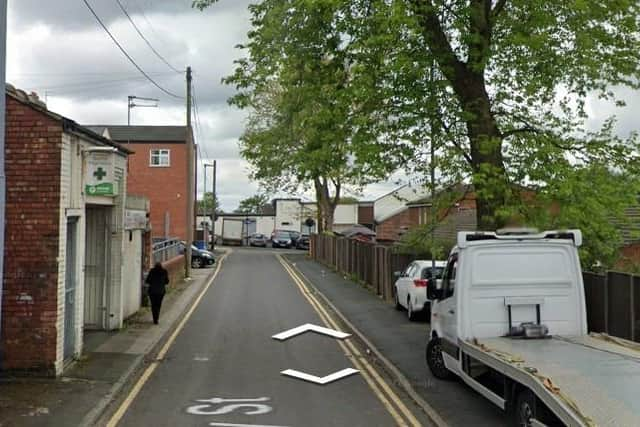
[57, 49]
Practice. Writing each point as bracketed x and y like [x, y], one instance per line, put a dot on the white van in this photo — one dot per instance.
[509, 319]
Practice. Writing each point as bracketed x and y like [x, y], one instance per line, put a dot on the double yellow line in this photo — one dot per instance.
[389, 399]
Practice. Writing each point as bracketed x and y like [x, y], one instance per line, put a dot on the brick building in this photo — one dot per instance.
[459, 216]
[63, 248]
[158, 171]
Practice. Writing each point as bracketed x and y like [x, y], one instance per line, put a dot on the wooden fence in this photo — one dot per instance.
[612, 299]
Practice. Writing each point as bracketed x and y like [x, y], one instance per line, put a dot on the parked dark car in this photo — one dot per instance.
[303, 242]
[258, 239]
[295, 236]
[199, 257]
[281, 239]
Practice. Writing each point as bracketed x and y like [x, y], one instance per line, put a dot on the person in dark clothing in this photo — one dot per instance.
[157, 279]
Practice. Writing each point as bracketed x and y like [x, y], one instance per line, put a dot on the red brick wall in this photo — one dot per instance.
[629, 257]
[175, 268]
[166, 187]
[29, 301]
[393, 227]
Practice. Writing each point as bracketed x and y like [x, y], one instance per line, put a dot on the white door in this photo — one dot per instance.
[447, 309]
[96, 267]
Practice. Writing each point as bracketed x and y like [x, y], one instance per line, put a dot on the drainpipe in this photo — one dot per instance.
[3, 178]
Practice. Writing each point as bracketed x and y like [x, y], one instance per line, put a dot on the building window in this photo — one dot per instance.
[159, 158]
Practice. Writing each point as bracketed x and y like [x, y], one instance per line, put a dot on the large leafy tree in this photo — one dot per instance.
[500, 88]
[507, 101]
[258, 203]
[207, 204]
[294, 81]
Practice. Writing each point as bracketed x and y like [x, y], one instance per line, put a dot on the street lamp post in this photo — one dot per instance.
[213, 203]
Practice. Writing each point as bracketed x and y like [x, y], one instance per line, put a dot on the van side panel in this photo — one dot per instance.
[493, 275]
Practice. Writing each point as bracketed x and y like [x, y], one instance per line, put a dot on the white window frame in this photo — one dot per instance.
[160, 153]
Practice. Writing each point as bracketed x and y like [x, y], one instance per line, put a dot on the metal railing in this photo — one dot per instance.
[165, 250]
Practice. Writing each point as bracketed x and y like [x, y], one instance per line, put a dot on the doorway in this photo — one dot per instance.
[70, 284]
[96, 268]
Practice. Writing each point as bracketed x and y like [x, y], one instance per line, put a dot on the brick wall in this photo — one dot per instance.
[629, 257]
[30, 294]
[175, 268]
[392, 228]
[166, 187]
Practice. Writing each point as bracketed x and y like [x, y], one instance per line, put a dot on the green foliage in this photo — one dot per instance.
[206, 205]
[500, 88]
[348, 200]
[592, 199]
[420, 240]
[258, 204]
[349, 90]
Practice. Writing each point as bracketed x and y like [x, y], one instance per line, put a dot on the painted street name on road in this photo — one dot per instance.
[246, 406]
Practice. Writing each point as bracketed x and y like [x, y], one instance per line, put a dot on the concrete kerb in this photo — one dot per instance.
[400, 379]
[94, 416]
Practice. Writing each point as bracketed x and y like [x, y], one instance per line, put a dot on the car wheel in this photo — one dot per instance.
[525, 409]
[196, 263]
[398, 305]
[435, 361]
[410, 313]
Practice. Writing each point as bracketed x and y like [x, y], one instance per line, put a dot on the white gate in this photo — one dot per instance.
[98, 245]
[70, 289]
[132, 272]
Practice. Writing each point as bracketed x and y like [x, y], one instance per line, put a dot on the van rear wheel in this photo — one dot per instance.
[435, 361]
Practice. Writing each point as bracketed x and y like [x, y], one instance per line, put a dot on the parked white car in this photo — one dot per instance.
[411, 286]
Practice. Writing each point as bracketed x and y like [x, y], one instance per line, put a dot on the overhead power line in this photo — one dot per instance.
[147, 20]
[145, 39]
[127, 55]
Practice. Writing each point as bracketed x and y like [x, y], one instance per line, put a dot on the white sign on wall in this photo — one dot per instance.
[135, 220]
[99, 177]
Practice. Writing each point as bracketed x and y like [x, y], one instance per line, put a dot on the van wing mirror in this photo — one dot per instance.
[434, 292]
[397, 274]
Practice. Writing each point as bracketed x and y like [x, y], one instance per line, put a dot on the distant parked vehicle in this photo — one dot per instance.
[199, 258]
[281, 239]
[295, 236]
[232, 231]
[258, 239]
[303, 242]
[411, 286]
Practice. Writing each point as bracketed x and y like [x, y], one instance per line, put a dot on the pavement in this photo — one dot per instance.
[108, 362]
[402, 343]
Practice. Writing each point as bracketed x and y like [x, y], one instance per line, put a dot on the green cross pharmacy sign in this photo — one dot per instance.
[99, 175]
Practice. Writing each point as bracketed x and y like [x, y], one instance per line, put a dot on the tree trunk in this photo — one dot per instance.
[326, 204]
[467, 80]
[489, 177]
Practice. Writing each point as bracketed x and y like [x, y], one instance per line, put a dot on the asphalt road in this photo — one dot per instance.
[403, 343]
[226, 351]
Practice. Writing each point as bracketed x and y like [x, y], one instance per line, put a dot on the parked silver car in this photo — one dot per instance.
[258, 239]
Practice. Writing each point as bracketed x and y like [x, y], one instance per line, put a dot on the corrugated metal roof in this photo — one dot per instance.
[142, 133]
